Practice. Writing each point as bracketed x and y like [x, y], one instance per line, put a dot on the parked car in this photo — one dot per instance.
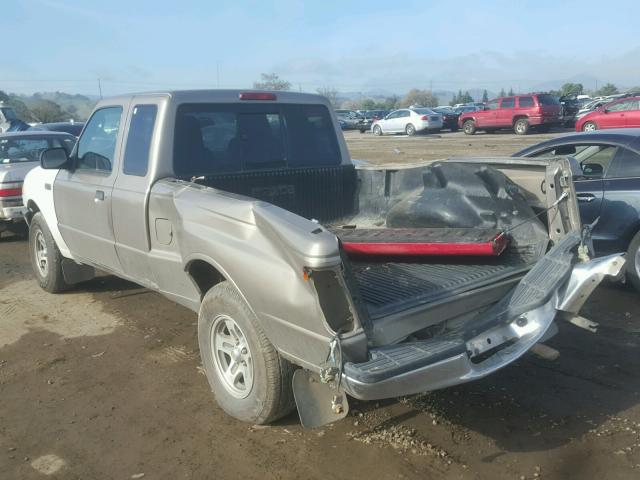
[621, 113]
[353, 120]
[449, 118]
[409, 121]
[608, 189]
[467, 108]
[19, 153]
[591, 106]
[520, 113]
[73, 128]
[9, 121]
[233, 204]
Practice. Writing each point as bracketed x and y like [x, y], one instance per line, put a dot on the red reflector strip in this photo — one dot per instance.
[493, 247]
[10, 192]
[257, 96]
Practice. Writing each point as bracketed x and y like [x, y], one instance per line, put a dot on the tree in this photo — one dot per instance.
[571, 89]
[510, 92]
[502, 93]
[607, 89]
[390, 103]
[4, 97]
[485, 96]
[331, 94]
[466, 98]
[271, 81]
[424, 98]
[369, 104]
[46, 111]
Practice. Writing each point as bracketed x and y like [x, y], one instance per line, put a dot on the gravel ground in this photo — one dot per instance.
[104, 382]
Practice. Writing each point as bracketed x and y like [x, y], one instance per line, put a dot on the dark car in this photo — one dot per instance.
[609, 189]
[449, 118]
[67, 127]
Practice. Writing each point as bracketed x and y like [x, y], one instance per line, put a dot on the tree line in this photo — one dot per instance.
[39, 109]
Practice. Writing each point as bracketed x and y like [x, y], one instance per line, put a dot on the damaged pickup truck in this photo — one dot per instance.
[314, 279]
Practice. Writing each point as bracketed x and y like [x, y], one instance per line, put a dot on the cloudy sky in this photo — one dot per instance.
[351, 46]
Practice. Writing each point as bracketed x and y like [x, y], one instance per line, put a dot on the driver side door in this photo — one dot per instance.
[82, 195]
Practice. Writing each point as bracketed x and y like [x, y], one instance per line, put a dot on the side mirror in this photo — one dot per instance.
[54, 159]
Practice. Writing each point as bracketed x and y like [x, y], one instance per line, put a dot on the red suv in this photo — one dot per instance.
[520, 112]
[622, 113]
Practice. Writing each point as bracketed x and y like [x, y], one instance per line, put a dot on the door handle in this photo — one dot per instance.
[99, 196]
[586, 197]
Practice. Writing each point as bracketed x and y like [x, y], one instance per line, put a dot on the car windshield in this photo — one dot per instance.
[423, 111]
[547, 99]
[221, 138]
[9, 113]
[16, 150]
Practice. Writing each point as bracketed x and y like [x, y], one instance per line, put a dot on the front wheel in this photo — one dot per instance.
[410, 130]
[249, 378]
[521, 127]
[377, 130]
[633, 262]
[46, 259]
[469, 127]
[589, 127]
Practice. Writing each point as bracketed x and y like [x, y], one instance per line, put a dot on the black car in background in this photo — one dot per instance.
[449, 118]
[608, 190]
[67, 127]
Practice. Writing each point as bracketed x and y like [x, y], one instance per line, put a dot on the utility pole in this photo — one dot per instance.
[100, 88]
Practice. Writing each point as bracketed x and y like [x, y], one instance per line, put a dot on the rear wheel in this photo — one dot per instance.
[410, 130]
[521, 127]
[633, 262]
[249, 378]
[469, 127]
[377, 130]
[46, 259]
[589, 127]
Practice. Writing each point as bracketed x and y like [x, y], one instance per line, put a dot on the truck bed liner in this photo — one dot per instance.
[388, 287]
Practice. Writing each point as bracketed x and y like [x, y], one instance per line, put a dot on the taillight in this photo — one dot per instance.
[10, 190]
[257, 96]
[424, 117]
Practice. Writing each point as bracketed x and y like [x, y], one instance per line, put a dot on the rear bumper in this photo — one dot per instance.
[502, 335]
[12, 213]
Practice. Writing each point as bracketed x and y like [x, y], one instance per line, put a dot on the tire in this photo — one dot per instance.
[377, 130]
[410, 130]
[362, 131]
[589, 127]
[521, 127]
[46, 259]
[633, 262]
[469, 127]
[229, 334]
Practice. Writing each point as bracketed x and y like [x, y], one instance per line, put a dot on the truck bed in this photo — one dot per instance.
[387, 287]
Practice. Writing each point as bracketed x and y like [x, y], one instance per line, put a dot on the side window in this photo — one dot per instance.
[508, 103]
[492, 105]
[97, 144]
[621, 107]
[625, 164]
[525, 102]
[594, 159]
[404, 113]
[136, 154]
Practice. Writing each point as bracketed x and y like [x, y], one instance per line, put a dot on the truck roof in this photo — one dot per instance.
[222, 96]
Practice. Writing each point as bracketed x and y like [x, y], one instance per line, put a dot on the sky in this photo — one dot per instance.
[374, 46]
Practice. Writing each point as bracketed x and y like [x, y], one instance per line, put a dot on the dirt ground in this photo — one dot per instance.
[103, 382]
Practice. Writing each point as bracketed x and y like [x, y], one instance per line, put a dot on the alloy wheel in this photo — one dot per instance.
[232, 356]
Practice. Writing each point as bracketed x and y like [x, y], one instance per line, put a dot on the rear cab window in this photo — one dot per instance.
[223, 138]
[136, 154]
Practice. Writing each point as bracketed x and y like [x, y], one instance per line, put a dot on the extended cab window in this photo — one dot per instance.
[136, 154]
[97, 144]
[219, 138]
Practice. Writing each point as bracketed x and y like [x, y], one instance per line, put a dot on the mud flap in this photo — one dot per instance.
[318, 403]
[75, 273]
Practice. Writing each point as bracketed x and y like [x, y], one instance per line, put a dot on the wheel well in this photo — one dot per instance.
[468, 119]
[204, 275]
[519, 117]
[32, 209]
